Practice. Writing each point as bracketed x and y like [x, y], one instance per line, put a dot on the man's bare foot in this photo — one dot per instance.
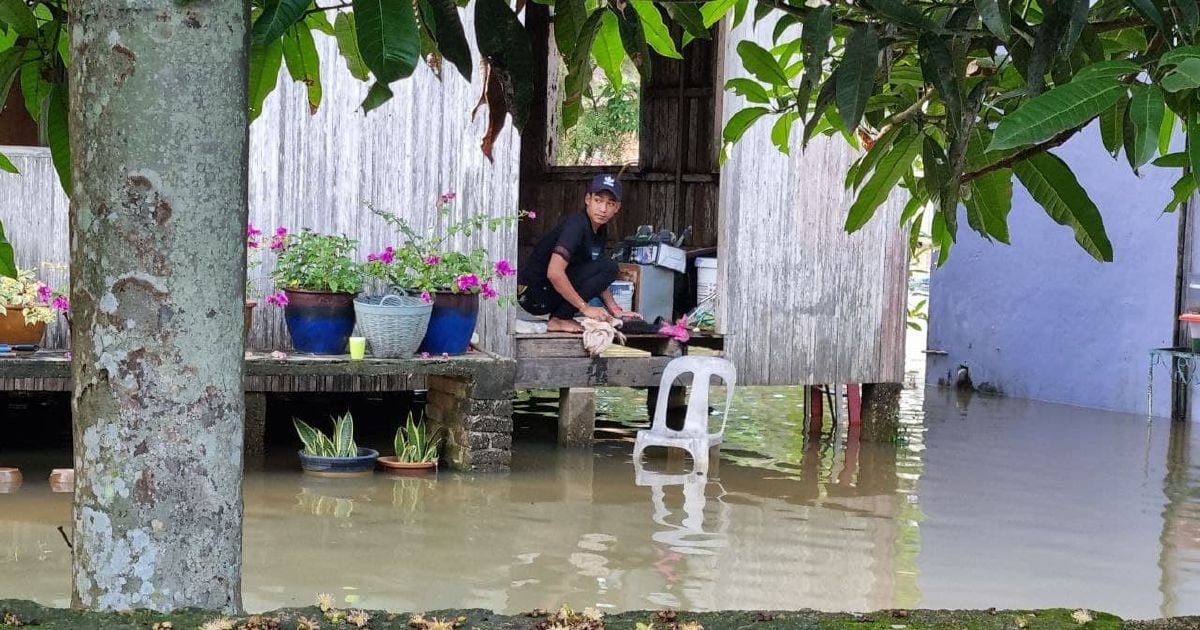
[563, 325]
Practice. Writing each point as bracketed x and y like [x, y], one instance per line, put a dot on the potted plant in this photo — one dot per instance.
[316, 277]
[337, 456]
[26, 306]
[452, 281]
[416, 448]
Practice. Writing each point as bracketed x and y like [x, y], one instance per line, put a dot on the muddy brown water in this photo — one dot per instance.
[983, 502]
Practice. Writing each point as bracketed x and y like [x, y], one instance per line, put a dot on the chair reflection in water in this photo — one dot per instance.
[694, 436]
[688, 537]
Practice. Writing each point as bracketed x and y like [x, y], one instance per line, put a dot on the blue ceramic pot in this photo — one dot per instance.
[451, 323]
[360, 466]
[318, 321]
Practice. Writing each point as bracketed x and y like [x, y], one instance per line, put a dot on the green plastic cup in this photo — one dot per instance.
[358, 348]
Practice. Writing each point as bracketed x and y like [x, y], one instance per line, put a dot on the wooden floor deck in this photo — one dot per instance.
[558, 360]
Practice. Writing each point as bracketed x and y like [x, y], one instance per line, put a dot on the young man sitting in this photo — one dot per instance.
[568, 268]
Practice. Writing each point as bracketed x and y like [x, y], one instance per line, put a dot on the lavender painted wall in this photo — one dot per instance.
[1041, 319]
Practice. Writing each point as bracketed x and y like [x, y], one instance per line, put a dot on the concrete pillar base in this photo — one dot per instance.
[576, 416]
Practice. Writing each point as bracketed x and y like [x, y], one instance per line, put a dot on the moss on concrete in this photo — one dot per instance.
[31, 615]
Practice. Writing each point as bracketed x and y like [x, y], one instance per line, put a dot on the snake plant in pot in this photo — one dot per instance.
[336, 456]
[416, 448]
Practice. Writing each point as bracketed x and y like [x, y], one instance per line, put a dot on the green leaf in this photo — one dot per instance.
[633, 39]
[1112, 126]
[303, 64]
[900, 13]
[7, 166]
[883, 146]
[1165, 133]
[506, 43]
[58, 135]
[750, 90]
[388, 38]
[741, 121]
[1185, 76]
[1046, 43]
[8, 263]
[655, 29]
[941, 235]
[347, 38]
[825, 98]
[16, 14]
[1193, 144]
[445, 25]
[1176, 55]
[343, 436]
[937, 68]
[1077, 18]
[1052, 184]
[265, 62]
[995, 16]
[569, 16]
[309, 436]
[1150, 10]
[379, 94]
[855, 76]
[690, 18]
[1172, 160]
[781, 131]
[714, 10]
[34, 88]
[891, 167]
[319, 22]
[607, 49]
[788, 20]
[1182, 190]
[815, 37]
[579, 70]
[1111, 69]
[761, 63]
[1146, 110]
[988, 203]
[10, 67]
[1189, 16]
[1060, 109]
[277, 17]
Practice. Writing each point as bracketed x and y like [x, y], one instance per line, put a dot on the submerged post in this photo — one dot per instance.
[880, 411]
[158, 217]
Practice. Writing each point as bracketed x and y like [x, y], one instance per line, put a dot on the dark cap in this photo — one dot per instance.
[606, 182]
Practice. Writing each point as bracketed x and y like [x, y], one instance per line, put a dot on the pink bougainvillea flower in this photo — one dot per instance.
[372, 257]
[278, 355]
[60, 303]
[432, 260]
[66, 355]
[43, 293]
[467, 281]
[278, 298]
[505, 269]
[388, 256]
[425, 297]
[424, 355]
[447, 197]
[487, 291]
[532, 215]
[280, 238]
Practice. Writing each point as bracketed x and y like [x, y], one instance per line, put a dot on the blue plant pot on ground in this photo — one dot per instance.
[451, 323]
[360, 466]
[318, 321]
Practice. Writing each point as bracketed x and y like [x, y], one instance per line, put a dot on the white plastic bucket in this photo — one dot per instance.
[622, 292]
[706, 279]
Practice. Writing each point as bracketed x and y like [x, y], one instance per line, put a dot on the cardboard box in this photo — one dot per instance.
[662, 255]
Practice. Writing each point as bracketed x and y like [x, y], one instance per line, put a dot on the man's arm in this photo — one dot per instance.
[557, 274]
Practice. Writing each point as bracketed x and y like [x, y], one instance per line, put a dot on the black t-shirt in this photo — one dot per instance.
[573, 238]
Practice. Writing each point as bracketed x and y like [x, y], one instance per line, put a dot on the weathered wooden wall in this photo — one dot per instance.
[321, 170]
[673, 186]
[803, 301]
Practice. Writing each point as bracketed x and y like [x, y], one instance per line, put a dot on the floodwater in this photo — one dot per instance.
[982, 502]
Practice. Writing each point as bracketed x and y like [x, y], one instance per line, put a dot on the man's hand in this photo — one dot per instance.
[594, 312]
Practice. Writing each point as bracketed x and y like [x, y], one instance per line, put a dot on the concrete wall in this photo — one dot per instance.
[1041, 319]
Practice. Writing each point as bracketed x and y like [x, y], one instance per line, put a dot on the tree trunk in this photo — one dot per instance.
[158, 215]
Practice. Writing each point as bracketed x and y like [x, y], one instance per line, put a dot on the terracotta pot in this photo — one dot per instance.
[250, 304]
[13, 328]
[390, 462]
[319, 322]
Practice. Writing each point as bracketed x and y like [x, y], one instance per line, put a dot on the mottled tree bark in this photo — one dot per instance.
[158, 213]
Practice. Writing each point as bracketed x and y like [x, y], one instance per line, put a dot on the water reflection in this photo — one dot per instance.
[983, 502]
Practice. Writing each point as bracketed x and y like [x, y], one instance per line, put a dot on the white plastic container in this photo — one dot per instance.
[706, 279]
[622, 292]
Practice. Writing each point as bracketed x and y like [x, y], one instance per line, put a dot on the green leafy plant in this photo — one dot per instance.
[425, 264]
[315, 262]
[317, 444]
[414, 443]
[607, 128]
[39, 302]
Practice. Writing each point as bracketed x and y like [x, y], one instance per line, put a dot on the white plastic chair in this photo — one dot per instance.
[694, 436]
